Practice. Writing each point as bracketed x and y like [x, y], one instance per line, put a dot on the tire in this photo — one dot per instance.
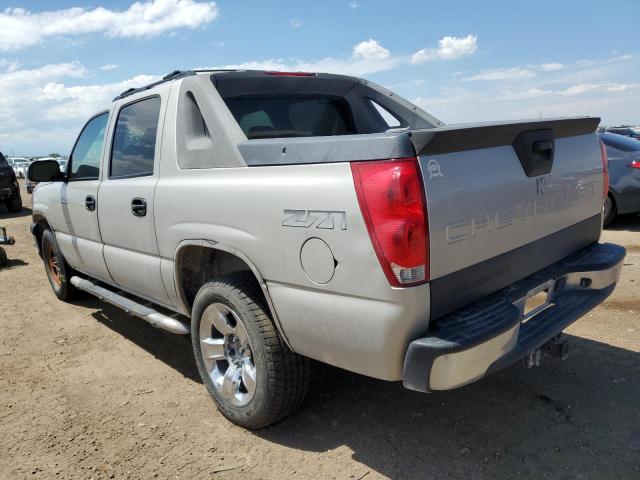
[3, 257]
[249, 372]
[59, 272]
[609, 210]
[15, 203]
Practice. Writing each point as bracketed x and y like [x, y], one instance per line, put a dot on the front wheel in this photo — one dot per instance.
[251, 374]
[58, 270]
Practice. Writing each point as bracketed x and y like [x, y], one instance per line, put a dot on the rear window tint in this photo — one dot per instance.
[625, 144]
[3, 161]
[291, 116]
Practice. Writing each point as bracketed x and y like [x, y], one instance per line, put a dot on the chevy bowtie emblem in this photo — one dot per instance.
[540, 186]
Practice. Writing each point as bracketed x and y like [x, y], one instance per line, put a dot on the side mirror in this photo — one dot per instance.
[44, 171]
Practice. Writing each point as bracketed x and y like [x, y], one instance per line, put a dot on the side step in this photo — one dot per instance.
[147, 314]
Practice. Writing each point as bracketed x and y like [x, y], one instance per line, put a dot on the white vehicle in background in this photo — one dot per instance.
[20, 165]
[21, 168]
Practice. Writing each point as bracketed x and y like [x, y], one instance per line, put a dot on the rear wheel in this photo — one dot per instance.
[609, 210]
[58, 271]
[15, 202]
[251, 374]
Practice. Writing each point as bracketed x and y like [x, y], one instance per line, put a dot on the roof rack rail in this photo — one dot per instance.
[172, 74]
[176, 74]
[127, 91]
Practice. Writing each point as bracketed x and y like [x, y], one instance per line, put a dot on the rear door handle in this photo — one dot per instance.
[90, 203]
[139, 207]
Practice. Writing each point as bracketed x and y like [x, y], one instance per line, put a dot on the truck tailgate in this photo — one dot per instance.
[506, 200]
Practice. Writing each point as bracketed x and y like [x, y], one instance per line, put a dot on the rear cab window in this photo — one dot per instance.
[302, 104]
[3, 161]
[279, 116]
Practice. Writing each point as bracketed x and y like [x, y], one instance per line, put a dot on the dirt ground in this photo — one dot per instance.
[88, 392]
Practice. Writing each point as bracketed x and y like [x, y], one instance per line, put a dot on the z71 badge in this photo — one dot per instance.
[326, 219]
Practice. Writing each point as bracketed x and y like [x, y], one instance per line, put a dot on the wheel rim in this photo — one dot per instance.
[54, 266]
[227, 354]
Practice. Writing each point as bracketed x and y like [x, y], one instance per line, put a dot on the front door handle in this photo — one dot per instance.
[90, 203]
[139, 207]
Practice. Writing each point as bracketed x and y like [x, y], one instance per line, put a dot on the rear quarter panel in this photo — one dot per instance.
[356, 320]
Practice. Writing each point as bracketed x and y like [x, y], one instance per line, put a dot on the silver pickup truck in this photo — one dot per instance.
[279, 217]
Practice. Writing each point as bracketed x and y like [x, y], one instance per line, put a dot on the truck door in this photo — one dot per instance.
[126, 198]
[75, 217]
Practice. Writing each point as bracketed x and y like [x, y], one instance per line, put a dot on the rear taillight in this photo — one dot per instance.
[393, 206]
[605, 170]
[635, 164]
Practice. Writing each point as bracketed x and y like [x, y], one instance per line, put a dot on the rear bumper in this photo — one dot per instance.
[492, 333]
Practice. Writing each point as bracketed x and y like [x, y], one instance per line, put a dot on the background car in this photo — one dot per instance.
[624, 175]
[9, 188]
[20, 167]
[16, 164]
[626, 131]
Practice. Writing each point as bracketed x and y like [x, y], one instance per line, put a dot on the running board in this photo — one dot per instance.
[147, 314]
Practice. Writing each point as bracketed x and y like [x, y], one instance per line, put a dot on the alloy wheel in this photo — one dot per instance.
[227, 355]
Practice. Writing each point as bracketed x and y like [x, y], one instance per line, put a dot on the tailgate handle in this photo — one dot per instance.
[535, 150]
[542, 146]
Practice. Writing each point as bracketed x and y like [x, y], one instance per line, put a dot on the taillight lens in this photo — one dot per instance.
[393, 206]
[605, 170]
[635, 164]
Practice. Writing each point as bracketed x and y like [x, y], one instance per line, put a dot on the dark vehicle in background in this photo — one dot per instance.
[9, 188]
[624, 175]
[626, 131]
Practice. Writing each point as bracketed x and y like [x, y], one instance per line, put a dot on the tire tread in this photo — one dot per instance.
[289, 373]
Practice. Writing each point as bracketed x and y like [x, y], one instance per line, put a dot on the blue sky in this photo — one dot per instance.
[60, 61]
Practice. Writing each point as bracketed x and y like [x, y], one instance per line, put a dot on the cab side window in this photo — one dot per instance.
[134, 139]
[86, 155]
